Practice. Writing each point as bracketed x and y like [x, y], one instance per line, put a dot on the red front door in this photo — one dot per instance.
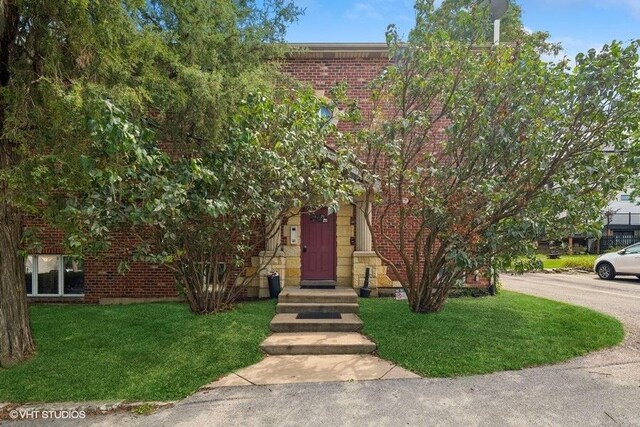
[318, 245]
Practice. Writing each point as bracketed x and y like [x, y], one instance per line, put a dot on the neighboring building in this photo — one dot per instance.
[621, 222]
[317, 246]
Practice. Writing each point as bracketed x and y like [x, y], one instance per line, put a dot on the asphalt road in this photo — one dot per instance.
[602, 388]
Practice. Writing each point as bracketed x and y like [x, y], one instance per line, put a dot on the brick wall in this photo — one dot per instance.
[102, 281]
[101, 278]
[323, 74]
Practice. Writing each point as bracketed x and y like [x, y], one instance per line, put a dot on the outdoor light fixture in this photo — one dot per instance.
[498, 9]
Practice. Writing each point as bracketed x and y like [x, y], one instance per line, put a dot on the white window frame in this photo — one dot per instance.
[34, 278]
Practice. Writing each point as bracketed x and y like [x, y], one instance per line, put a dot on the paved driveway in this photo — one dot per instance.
[602, 388]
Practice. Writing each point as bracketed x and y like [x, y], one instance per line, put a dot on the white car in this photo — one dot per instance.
[625, 262]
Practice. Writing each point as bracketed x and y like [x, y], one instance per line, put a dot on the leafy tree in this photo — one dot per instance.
[204, 214]
[472, 153]
[180, 67]
[469, 20]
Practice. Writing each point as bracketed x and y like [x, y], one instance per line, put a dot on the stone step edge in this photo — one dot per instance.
[306, 345]
[326, 299]
[314, 336]
[316, 327]
[291, 318]
[287, 322]
[299, 307]
[301, 343]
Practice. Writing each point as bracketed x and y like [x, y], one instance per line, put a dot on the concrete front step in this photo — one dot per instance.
[338, 295]
[306, 307]
[317, 343]
[287, 322]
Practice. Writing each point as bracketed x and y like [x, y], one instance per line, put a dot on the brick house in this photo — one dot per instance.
[315, 247]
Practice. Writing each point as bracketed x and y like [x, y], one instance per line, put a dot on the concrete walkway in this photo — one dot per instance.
[315, 350]
[314, 369]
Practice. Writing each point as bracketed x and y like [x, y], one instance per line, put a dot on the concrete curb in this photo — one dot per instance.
[89, 408]
[551, 271]
[565, 271]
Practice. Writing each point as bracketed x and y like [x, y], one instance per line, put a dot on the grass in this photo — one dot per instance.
[582, 262]
[133, 352]
[482, 335]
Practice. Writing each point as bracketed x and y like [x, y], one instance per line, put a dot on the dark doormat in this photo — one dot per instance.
[317, 286]
[318, 315]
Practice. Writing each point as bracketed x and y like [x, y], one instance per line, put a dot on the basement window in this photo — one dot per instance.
[54, 275]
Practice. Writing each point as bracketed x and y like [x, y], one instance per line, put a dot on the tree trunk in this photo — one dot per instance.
[16, 342]
[429, 303]
[204, 290]
[433, 291]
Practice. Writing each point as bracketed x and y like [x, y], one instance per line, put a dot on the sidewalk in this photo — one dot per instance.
[314, 369]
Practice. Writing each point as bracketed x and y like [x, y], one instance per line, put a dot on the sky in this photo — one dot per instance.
[578, 24]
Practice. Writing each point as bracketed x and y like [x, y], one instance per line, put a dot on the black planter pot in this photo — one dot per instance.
[274, 285]
[365, 292]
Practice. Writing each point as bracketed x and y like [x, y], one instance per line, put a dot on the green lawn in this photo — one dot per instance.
[583, 262]
[133, 352]
[481, 335]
